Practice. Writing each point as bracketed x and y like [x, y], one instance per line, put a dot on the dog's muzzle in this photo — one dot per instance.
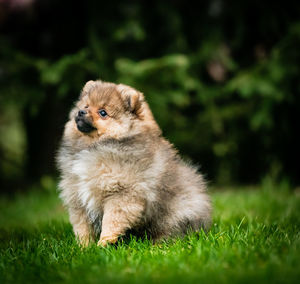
[83, 124]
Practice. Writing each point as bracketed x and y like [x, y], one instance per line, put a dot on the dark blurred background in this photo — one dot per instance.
[222, 79]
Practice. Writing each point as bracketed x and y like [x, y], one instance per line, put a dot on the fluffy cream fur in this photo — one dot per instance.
[120, 175]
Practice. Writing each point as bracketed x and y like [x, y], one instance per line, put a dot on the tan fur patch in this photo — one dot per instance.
[120, 175]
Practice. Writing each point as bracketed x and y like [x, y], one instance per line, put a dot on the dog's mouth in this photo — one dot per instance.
[83, 125]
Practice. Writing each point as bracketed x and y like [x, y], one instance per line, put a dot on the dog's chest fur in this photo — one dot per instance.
[102, 172]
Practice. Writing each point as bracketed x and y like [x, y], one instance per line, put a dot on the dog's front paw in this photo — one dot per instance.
[104, 241]
[83, 240]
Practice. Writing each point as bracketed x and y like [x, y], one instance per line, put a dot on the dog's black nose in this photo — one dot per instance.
[82, 113]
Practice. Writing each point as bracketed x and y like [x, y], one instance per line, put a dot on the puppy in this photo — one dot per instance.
[119, 175]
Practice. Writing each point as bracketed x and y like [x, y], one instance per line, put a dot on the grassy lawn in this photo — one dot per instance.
[255, 237]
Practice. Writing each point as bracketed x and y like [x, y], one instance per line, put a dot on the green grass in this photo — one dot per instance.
[255, 237]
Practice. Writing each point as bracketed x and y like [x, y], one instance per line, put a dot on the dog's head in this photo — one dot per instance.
[107, 110]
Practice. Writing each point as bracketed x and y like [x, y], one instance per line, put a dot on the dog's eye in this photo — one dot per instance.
[102, 113]
[86, 106]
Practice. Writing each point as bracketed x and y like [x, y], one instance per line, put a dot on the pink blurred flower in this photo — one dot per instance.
[17, 4]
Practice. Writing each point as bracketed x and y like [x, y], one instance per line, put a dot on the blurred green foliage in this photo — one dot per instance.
[222, 80]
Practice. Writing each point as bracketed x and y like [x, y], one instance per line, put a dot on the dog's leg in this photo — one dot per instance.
[119, 216]
[80, 225]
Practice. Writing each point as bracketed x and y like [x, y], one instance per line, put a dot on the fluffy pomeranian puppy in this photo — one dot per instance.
[119, 175]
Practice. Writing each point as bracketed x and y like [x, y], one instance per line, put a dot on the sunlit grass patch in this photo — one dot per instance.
[254, 238]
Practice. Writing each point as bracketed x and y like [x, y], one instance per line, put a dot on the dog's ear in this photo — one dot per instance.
[87, 87]
[132, 98]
